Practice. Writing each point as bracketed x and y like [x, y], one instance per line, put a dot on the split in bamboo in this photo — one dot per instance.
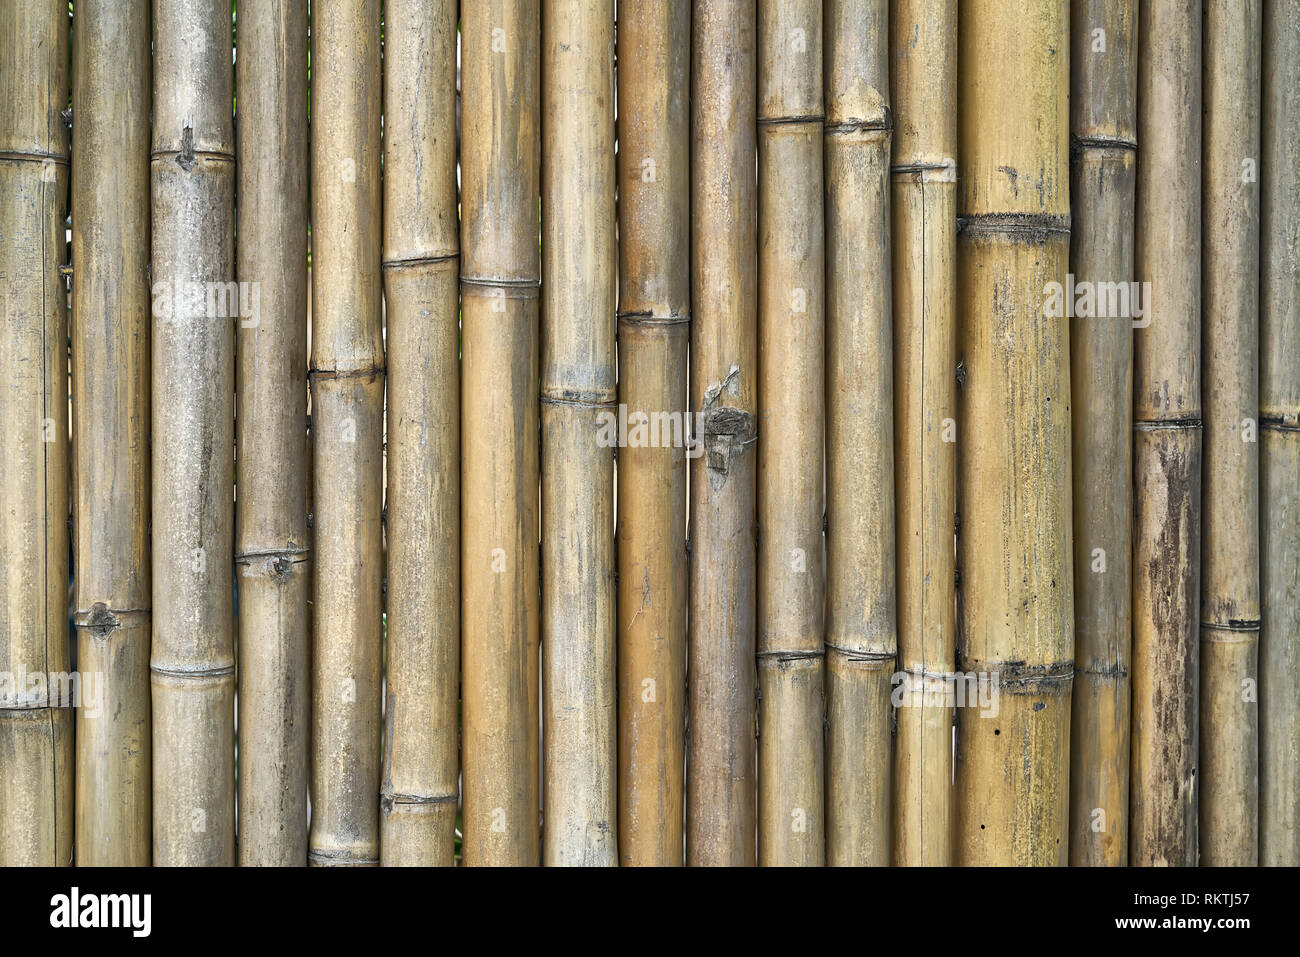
[347, 395]
[421, 266]
[791, 454]
[578, 394]
[653, 333]
[36, 717]
[861, 610]
[1013, 456]
[1230, 598]
[272, 568]
[111, 98]
[499, 430]
[1104, 152]
[192, 659]
[1166, 439]
[720, 792]
[1279, 453]
[924, 224]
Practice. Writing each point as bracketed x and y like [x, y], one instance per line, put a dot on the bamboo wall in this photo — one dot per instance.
[711, 432]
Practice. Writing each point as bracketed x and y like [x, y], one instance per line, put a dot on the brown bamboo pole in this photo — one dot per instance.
[578, 393]
[36, 745]
[1166, 439]
[1230, 598]
[499, 424]
[924, 223]
[421, 240]
[192, 659]
[791, 370]
[720, 793]
[861, 611]
[111, 96]
[347, 401]
[1279, 453]
[1103, 41]
[271, 556]
[653, 330]
[1015, 613]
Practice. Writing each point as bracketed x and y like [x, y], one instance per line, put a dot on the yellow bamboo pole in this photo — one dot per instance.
[861, 611]
[192, 658]
[421, 267]
[499, 425]
[1013, 464]
[924, 223]
[36, 719]
[1103, 41]
[653, 330]
[272, 567]
[1279, 453]
[720, 794]
[1230, 598]
[578, 392]
[791, 322]
[1166, 439]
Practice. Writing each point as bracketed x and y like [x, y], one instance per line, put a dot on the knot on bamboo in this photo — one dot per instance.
[725, 431]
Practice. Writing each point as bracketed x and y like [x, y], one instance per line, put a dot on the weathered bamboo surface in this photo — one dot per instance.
[36, 721]
[1167, 441]
[192, 657]
[1103, 130]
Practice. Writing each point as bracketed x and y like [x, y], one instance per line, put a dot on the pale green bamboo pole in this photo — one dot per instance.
[271, 556]
[195, 309]
[1230, 598]
[1104, 133]
[1279, 453]
[36, 745]
[421, 268]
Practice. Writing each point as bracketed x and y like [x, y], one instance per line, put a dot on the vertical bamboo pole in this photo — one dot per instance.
[861, 612]
[1230, 609]
[1015, 614]
[192, 661]
[1166, 439]
[579, 276]
[347, 394]
[271, 554]
[111, 96]
[421, 267]
[653, 332]
[1103, 41]
[1279, 453]
[791, 555]
[36, 745]
[720, 795]
[499, 425]
[924, 222]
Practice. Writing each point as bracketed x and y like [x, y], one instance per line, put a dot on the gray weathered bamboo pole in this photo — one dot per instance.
[578, 392]
[36, 745]
[111, 96]
[720, 793]
[347, 401]
[499, 426]
[1230, 598]
[924, 225]
[271, 556]
[1279, 453]
[1103, 41]
[861, 612]
[1015, 614]
[792, 351]
[421, 268]
[653, 328]
[1166, 439]
[195, 309]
